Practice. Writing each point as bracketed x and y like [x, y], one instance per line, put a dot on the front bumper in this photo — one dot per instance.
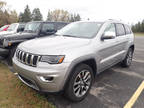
[31, 75]
[3, 52]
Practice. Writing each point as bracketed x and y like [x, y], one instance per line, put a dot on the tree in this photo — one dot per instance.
[58, 15]
[21, 17]
[62, 15]
[36, 15]
[2, 4]
[26, 16]
[49, 16]
[7, 16]
[138, 27]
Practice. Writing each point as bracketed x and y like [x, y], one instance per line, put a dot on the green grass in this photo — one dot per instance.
[139, 34]
[14, 94]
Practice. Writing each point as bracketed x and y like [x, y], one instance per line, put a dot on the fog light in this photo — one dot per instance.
[46, 78]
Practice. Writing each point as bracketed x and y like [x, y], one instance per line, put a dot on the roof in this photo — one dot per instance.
[49, 21]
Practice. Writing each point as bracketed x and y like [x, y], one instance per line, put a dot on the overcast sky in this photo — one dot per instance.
[129, 11]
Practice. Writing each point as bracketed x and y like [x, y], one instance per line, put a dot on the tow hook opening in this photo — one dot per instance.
[46, 78]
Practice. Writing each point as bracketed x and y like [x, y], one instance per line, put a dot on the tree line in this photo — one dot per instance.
[55, 15]
[8, 16]
[138, 27]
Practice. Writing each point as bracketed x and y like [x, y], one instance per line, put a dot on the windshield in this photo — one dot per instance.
[12, 27]
[3, 27]
[32, 27]
[80, 29]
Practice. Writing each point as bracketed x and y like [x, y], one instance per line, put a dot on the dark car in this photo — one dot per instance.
[35, 29]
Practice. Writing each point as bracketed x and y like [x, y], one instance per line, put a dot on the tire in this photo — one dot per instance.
[79, 83]
[11, 54]
[128, 59]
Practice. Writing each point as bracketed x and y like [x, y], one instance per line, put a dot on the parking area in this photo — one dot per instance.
[114, 87]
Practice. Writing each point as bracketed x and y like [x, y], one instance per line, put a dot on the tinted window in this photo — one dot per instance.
[47, 27]
[60, 25]
[127, 29]
[32, 27]
[120, 29]
[21, 27]
[110, 28]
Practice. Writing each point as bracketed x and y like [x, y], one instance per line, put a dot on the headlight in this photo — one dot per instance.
[53, 59]
[6, 43]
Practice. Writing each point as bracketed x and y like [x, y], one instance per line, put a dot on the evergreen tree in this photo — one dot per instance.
[36, 15]
[62, 15]
[49, 16]
[26, 17]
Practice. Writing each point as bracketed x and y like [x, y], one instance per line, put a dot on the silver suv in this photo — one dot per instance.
[69, 60]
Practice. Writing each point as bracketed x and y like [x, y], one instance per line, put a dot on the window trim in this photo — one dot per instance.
[114, 27]
[130, 31]
[117, 31]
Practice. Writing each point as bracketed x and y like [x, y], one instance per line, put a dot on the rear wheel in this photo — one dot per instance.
[79, 83]
[128, 59]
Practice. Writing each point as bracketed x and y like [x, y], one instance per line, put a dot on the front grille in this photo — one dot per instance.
[27, 58]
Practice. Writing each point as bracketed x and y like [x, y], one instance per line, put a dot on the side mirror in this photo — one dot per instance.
[108, 35]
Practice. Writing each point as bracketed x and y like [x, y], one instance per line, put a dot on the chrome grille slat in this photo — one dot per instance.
[22, 56]
[31, 60]
[27, 58]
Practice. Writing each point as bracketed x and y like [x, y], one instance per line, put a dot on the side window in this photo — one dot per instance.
[127, 29]
[60, 26]
[48, 27]
[120, 29]
[21, 28]
[110, 28]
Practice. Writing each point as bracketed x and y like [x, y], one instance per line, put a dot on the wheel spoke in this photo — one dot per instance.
[76, 88]
[82, 83]
[86, 75]
[76, 83]
[78, 92]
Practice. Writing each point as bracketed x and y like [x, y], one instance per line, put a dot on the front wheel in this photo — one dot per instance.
[11, 54]
[79, 83]
[128, 59]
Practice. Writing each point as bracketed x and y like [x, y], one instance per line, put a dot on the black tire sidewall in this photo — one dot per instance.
[11, 54]
[124, 62]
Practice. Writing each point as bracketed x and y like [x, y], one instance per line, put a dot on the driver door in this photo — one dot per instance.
[108, 49]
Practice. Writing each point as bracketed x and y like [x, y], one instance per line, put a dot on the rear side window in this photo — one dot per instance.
[48, 27]
[21, 26]
[60, 25]
[127, 29]
[120, 29]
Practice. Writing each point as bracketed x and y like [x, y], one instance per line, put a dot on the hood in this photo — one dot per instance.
[6, 33]
[21, 35]
[53, 45]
